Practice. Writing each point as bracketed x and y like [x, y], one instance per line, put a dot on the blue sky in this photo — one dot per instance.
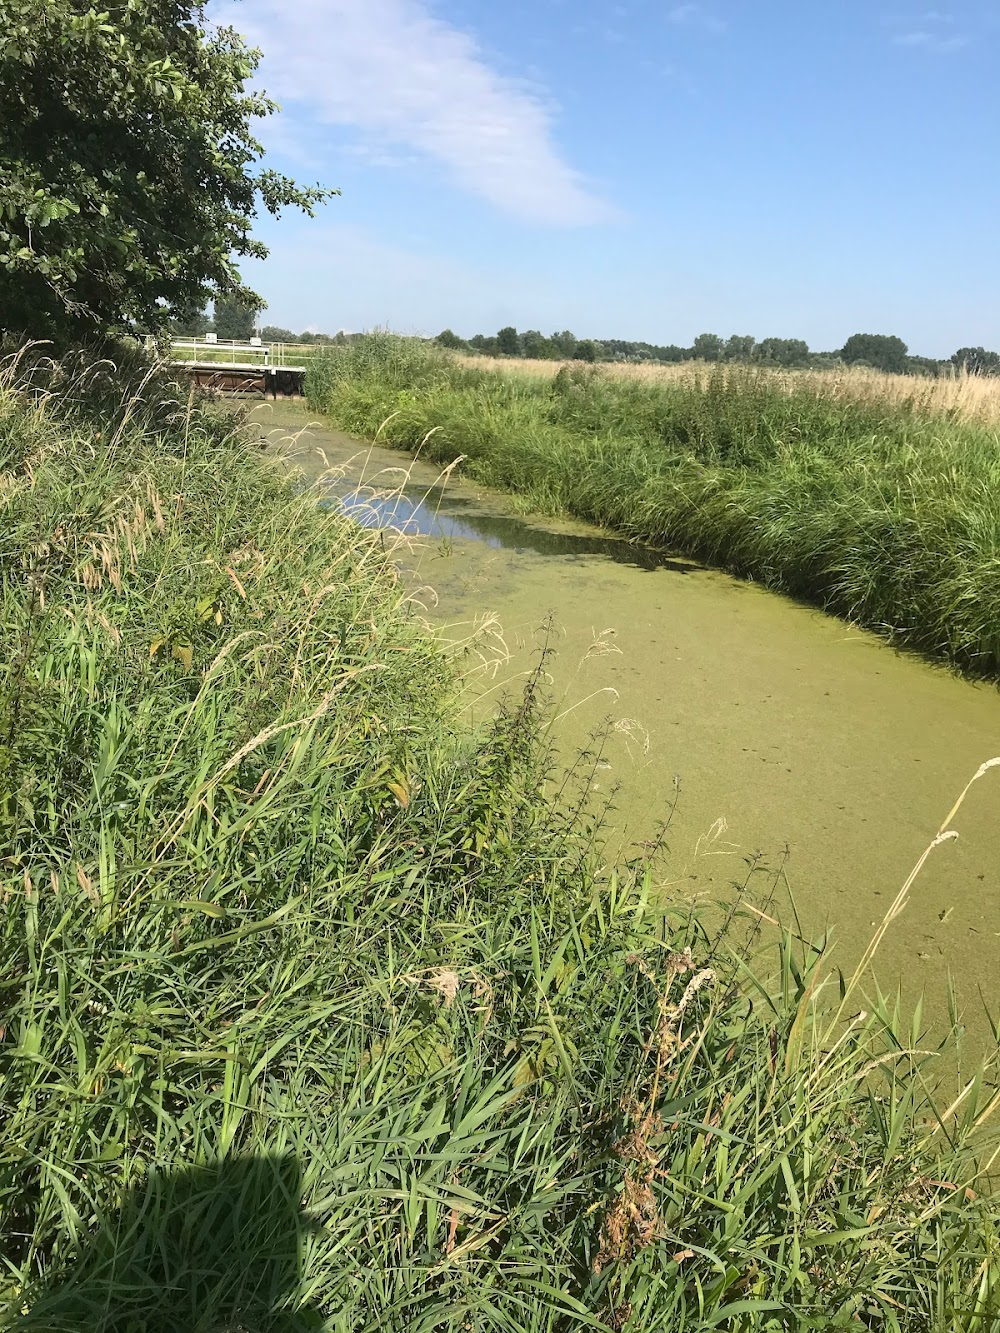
[636, 168]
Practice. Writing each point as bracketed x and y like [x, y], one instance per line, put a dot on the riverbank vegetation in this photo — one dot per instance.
[323, 1012]
[869, 496]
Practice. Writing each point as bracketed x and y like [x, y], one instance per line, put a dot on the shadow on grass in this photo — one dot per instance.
[214, 1249]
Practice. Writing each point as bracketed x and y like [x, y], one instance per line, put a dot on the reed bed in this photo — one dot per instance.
[322, 1012]
[961, 397]
[854, 492]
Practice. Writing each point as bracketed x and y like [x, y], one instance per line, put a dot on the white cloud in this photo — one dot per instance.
[922, 39]
[696, 15]
[933, 30]
[407, 79]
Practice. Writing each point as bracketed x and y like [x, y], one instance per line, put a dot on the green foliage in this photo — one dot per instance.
[977, 361]
[319, 1013]
[234, 320]
[786, 352]
[480, 343]
[397, 362]
[708, 347]
[275, 334]
[880, 351]
[508, 343]
[564, 344]
[537, 347]
[446, 338]
[883, 514]
[739, 347]
[126, 165]
[192, 324]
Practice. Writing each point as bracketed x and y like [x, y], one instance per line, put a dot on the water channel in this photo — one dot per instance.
[798, 741]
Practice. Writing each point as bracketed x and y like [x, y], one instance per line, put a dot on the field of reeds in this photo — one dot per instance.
[961, 397]
[322, 1012]
[874, 497]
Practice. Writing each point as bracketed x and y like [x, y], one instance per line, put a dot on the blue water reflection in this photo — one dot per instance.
[434, 513]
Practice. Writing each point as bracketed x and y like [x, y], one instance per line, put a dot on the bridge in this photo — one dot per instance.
[255, 367]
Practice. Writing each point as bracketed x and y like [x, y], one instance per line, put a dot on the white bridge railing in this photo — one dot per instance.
[224, 351]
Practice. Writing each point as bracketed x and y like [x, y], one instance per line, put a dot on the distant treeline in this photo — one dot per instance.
[879, 351]
[234, 322]
[273, 334]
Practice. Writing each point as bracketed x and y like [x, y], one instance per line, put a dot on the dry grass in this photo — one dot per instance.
[972, 398]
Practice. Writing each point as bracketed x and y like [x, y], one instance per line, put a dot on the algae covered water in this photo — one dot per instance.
[803, 756]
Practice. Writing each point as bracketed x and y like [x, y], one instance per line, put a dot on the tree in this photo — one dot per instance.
[708, 347]
[739, 347]
[450, 340]
[586, 350]
[193, 325]
[878, 350]
[564, 344]
[977, 361]
[480, 343]
[931, 367]
[234, 320]
[272, 333]
[129, 177]
[508, 343]
[785, 352]
[536, 346]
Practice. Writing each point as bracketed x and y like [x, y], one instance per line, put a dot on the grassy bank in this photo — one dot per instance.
[319, 1013]
[883, 510]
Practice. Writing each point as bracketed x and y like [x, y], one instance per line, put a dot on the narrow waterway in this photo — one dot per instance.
[796, 740]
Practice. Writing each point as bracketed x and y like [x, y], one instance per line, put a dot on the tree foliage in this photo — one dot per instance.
[234, 319]
[977, 361]
[129, 175]
[274, 333]
[708, 347]
[786, 352]
[190, 324]
[739, 347]
[508, 343]
[537, 347]
[878, 350]
[564, 344]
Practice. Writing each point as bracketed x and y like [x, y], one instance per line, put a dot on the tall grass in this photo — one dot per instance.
[959, 397]
[881, 509]
[318, 1012]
